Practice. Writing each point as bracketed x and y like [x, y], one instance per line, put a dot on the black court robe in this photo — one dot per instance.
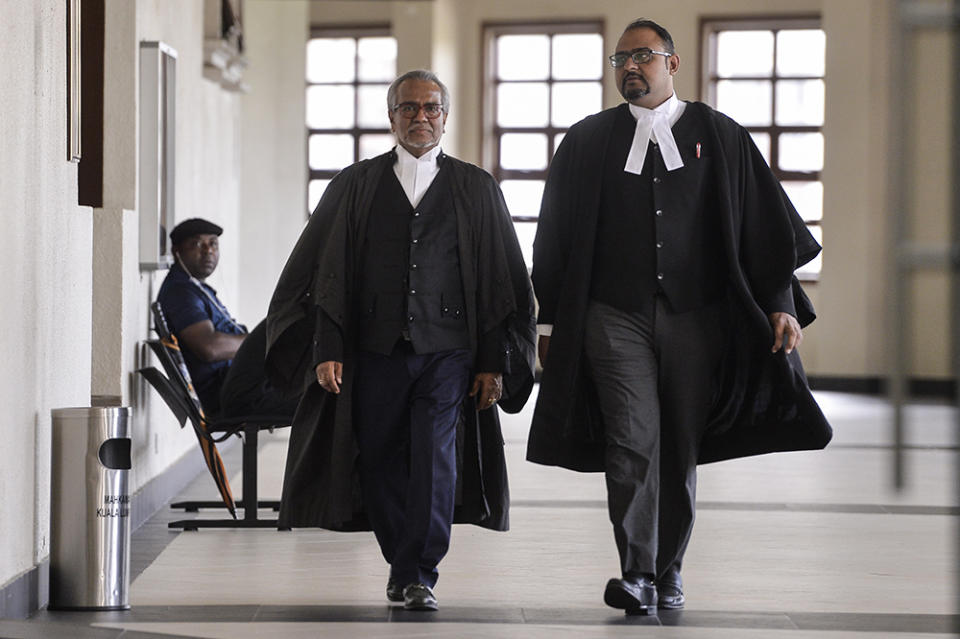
[766, 404]
[321, 484]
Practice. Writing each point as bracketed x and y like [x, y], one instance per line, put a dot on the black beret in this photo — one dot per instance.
[191, 227]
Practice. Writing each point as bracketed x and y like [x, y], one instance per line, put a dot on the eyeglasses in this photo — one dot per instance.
[639, 56]
[411, 109]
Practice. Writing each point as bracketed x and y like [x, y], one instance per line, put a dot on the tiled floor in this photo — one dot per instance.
[786, 546]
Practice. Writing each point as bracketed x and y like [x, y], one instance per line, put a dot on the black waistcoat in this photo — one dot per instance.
[410, 284]
[658, 232]
[624, 269]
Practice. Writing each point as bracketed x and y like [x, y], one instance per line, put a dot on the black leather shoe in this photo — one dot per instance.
[636, 596]
[419, 597]
[670, 597]
[394, 591]
[670, 591]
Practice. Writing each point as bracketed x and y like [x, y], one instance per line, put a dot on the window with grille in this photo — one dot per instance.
[348, 74]
[768, 75]
[540, 79]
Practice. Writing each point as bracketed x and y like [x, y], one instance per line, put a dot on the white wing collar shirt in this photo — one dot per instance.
[655, 124]
[416, 174]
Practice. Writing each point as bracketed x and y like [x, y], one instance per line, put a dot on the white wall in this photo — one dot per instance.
[852, 290]
[208, 160]
[931, 156]
[45, 317]
[206, 185]
[273, 186]
[75, 309]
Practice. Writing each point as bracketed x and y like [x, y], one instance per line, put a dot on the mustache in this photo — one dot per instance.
[631, 74]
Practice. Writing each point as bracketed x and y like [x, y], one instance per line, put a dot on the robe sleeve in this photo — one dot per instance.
[551, 244]
[507, 340]
[769, 237]
[781, 302]
[327, 340]
[299, 296]
[767, 250]
[768, 211]
[492, 351]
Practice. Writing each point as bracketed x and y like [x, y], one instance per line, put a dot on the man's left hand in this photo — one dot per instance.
[487, 388]
[786, 332]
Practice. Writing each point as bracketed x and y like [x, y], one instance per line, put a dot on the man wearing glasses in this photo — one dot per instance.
[669, 315]
[407, 305]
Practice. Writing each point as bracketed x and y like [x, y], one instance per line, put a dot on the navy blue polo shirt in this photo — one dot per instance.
[186, 302]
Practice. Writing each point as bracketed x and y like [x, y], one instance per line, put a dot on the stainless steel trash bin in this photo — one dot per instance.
[90, 502]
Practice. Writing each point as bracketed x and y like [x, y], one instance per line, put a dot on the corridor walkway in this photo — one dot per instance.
[786, 546]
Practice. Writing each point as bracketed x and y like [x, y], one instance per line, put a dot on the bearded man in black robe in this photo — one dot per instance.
[406, 312]
[669, 313]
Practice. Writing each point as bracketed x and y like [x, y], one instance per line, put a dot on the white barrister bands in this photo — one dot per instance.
[655, 124]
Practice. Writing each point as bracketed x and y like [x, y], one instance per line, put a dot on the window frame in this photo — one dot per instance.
[355, 32]
[707, 73]
[491, 131]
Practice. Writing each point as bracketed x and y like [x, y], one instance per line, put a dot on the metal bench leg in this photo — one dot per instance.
[250, 436]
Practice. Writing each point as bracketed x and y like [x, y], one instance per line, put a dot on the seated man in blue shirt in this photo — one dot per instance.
[225, 362]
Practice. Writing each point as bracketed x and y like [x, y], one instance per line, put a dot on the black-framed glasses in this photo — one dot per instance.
[410, 109]
[639, 56]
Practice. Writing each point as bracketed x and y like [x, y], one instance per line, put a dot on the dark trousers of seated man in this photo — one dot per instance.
[657, 374]
[406, 408]
[245, 389]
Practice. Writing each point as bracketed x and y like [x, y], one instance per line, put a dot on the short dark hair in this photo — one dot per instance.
[418, 74]
[663, 34]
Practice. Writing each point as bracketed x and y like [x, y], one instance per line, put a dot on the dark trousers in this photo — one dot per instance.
[656, 375]
[245, 389]
[405, 412]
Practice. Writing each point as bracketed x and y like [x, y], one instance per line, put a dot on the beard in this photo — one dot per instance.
[421, 143]
[635, 92]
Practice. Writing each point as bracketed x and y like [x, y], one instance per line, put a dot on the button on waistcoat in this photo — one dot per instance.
[410, 282]
[658, 232]
[623, 266]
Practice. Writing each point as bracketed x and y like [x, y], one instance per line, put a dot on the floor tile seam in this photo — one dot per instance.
[893, 623]
[807, 620]
[793, 507]
[834, 446]
[791, 621]
[140, 634]
[746, 621]
[150, 549]
[910, 447]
